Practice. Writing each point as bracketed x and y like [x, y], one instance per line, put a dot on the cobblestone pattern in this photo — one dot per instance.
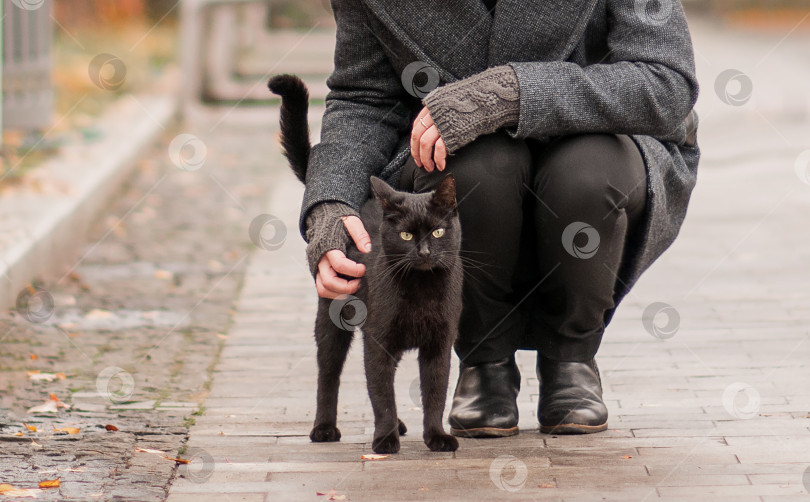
[137, 324]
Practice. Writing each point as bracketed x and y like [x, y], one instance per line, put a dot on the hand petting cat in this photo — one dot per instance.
[327, 281]
[428, 150]
[427, 146]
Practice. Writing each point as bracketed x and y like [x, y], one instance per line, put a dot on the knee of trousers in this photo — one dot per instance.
[605, 170]
[495, 165]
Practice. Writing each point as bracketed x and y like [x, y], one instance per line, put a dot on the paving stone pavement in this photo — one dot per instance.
[705, 365]
[134, 323]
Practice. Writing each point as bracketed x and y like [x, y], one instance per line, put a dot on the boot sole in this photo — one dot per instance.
[484, 432]
[572, 428]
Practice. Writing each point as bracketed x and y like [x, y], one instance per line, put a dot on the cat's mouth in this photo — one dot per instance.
[425, 264]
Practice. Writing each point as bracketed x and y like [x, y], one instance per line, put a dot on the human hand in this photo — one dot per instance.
[427, 146]
[327, 282]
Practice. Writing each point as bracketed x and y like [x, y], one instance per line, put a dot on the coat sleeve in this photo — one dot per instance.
[364, 118]
[646, 85]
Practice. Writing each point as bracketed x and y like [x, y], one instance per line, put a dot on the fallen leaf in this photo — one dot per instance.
[61, 375]
[149, 450]
[373, 456]
[48, 407]
[111, 427]
[36, 376]
[34, 357]
[69, 430]
[59, 403]
[9, 491]
[18, 433]
[30, 427]
[98, 314]
[179, 460]
[332, 494]
[165, 275]
[627, 456]
[50, 483]
[547, 485]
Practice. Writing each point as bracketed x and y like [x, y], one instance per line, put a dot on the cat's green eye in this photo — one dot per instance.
[406, 236]
[438, 232]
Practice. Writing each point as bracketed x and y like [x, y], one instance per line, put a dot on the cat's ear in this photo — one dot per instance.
[445, 195]
[388, 197]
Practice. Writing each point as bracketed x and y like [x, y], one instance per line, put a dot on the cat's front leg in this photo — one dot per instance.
[434, 371]
[333, 346]
[381, 364]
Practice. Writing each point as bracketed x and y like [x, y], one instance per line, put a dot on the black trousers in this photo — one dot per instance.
[545, 230]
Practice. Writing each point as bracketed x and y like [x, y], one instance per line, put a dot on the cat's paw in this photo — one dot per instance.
[401, 427]
[324, 433]
[386, 444]
[442, 442]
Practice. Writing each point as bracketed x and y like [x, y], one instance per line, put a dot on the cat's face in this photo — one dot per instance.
[421, 231]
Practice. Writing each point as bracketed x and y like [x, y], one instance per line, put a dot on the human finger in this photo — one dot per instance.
[358, 233]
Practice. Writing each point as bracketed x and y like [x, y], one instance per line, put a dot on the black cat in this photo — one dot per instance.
[411, 291]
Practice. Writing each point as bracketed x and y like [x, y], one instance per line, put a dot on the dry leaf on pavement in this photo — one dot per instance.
[9, 491]
[59, 403]
[37, 376]
[373, 456]
[98, 314]
[332, 494]
[69, 430]
[48, 407]
[50, 483]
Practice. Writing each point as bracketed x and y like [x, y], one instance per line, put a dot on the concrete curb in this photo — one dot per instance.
[40, 231]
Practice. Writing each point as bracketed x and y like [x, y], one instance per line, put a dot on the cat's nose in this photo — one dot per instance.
[424, 251]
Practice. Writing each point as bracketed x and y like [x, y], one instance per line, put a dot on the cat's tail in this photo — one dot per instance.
[294, 126]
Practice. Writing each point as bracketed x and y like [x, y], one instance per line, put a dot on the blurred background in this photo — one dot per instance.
[51, 48]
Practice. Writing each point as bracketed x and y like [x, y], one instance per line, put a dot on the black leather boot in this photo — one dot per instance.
[570, 397]
[485, 401]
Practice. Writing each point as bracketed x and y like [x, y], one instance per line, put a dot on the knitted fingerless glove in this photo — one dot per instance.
[325, 231]
[474, 106]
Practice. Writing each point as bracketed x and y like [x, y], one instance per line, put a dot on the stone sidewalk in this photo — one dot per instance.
[705, 365]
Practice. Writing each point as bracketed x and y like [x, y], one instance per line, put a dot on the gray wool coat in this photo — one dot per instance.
[582, 66]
